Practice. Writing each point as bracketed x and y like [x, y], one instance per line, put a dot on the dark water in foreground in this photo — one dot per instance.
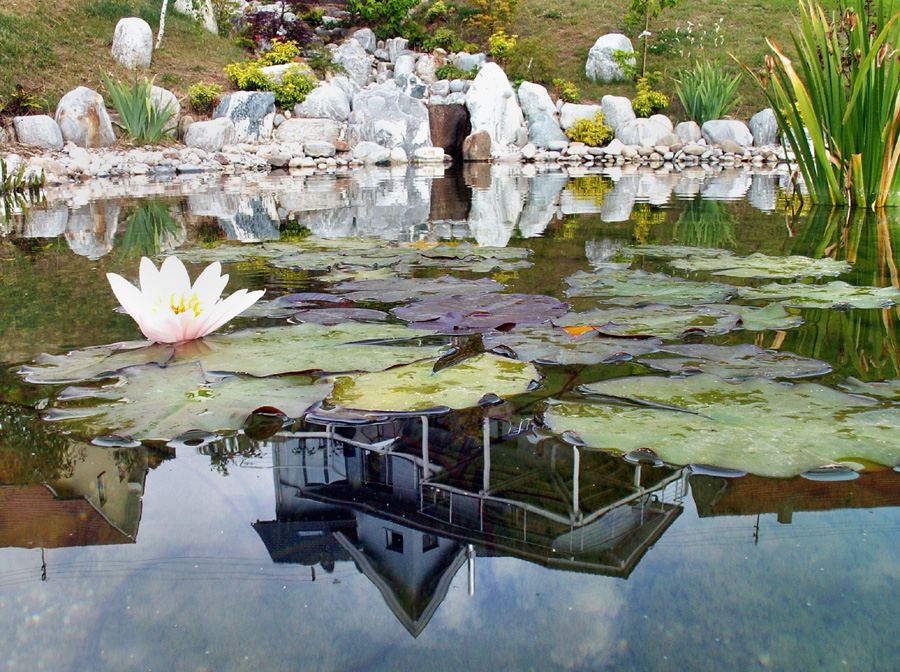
[470, 540]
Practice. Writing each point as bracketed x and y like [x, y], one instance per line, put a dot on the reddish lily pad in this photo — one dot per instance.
[473, 314]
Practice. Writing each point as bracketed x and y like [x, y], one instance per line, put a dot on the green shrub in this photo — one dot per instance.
[443, 37]
[707, 91]
[320, 63]
[567, 90]
[593, 132]
[280, 53]
[313, 17]
[387, 16]
[531, 60]
[248, 76]
[438, 11]
[141, 119]
[493, 15]
[647, 101]
[448, 71]
[296, 83]
[227, 13]
[501, 44]
[204, 97]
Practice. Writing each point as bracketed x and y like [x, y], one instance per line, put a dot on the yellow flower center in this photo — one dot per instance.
[178, 305]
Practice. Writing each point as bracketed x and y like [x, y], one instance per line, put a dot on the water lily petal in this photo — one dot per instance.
[131, 299]
[173, 278]
[209, 284]
[222, 312]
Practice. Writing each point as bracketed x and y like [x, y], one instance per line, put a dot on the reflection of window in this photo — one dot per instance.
[101, 488]
[394, 541]
[429, 541]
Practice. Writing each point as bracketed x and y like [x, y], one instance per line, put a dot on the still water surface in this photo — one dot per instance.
[474, 539]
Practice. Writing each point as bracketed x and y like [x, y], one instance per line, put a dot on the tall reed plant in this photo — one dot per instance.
[707, 91]
[839, 107]
[141, 117]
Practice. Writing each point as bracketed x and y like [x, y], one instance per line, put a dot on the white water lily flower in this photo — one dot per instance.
[168, 309]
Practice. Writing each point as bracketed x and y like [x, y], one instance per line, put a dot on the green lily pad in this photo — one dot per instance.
[306, 347]
[415, 387]
[886, 389]
[323, 260]
[476, 259]
[150, 402]
[759, 265]
[542, 343]
[397, 290]
[350, 274]
[631, 287]
[226, 253]
[774, 316]
[657, 320]
[836, 293]
[673, 251]
[94, 362]
[735, 361]
[758, 426]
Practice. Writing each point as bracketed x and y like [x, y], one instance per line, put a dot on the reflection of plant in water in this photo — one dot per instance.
[645, 218]
[291, 231]
[30, 452]
[229, 449]
[705, 223]
[590, 188]
[149, 230]
[18, 191]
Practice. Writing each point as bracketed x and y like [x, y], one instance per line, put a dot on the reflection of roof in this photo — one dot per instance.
[31, 517]
[303, 543]
[752, 494]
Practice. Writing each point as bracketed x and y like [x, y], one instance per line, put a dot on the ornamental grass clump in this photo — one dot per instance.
[141, 117]
[706, 91]
[845, 93]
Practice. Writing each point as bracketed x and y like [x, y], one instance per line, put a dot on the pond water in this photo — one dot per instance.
[528, 485]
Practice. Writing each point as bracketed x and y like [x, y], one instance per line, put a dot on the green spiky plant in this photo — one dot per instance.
[143, 120]
[706, 91]
[845, 91]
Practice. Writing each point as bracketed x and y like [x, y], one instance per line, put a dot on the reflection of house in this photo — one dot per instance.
[752, 495]
[409, 501]
[98, 501]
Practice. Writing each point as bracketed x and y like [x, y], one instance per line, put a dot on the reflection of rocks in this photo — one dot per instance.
[541, 203]
[763, 192]
[387, 207]
[245, 219]
[495, 210]
[91, 229]
[449, 198]
[618, 203]
[48, 223]
[728, 186]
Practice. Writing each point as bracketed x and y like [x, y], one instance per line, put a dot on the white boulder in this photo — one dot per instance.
[717, 131]
[38, 131]
[133, 43]
[601, 66]
[493, 107]
[211, 136]
[82, 118]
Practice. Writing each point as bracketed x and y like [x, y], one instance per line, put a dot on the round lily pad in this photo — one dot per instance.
[151, 402]
[395, 290]
[758, 426]
[829, 295]
[759, 265]
[415, 387]
[471, 314]
[735, 361]
[546, 344]
[94, 362]
[657, 320]
[631, 287]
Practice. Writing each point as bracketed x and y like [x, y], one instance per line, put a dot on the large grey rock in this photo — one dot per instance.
[412, 86]
[211, 136]
[133, 43]
[468, 62]
[326, 101]
[688, 131]
[718, 130]
[161, 98]
[366, 39]
[601, 67]
[83, 119]
[38, 131]
[477, 146]
[425, 67]
[356, 60]
[202, 11]
[386, 116]
[302, 129]
[638, 131]
[540, 114]
[449, 127]
[4, 136]
[251, 112]
[617, 110]
[764, 128]
[493, 107]
[371, 153]
[570, 113]
[318, 148]
[405, 65]
[395, 46]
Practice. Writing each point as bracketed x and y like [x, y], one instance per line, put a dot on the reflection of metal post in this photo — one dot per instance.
[576, 469]
[637, 475]
[427, 467]
[470, 555]
[486, 477]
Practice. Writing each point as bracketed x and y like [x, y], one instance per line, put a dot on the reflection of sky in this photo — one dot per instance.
[199, 592]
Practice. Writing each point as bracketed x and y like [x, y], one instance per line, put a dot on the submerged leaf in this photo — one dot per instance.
[94, 362]
[415, 387]
[759, 426]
